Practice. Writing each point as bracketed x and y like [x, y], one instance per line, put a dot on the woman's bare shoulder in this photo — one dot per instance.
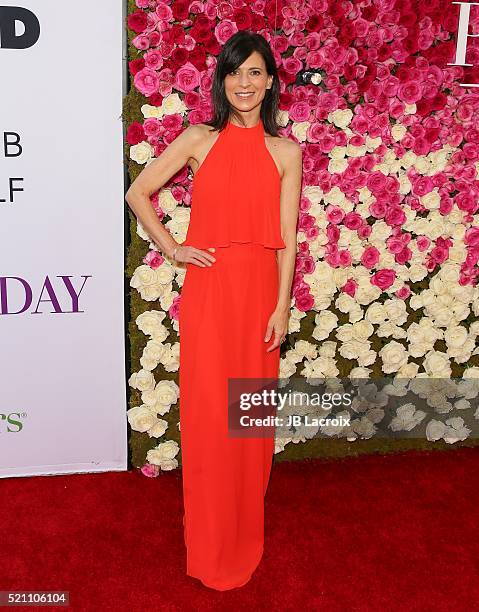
[200, 130]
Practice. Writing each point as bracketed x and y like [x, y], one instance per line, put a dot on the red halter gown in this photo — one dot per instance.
[224, 311]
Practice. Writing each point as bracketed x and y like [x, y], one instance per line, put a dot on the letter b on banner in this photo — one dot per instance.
[8, 39]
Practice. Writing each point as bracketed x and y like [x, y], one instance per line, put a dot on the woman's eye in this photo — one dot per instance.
[255, 72]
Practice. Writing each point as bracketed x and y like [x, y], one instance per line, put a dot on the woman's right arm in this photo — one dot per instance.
[151, 179]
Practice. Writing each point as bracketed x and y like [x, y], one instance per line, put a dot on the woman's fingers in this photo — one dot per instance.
[269, 331]
[196, 256]
[276, 343]
[202, 257]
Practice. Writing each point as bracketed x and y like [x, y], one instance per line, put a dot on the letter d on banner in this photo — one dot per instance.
[8, 38]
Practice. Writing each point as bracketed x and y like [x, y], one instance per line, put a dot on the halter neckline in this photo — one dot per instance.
[257, 126]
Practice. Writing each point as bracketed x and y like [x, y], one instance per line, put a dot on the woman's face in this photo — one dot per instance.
[250, 78]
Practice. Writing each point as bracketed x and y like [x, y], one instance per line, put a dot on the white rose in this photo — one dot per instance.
[300, 130]
[152, 353]
[373, 143]
[150, 322]
[313, 193]
[396, 311]
[375, 313]
[457, 253]
[142, 380]
[305, 349]
[394, 356]
[165, 451]
[142, 152]
[143, 276]
[286, 368]
[158, 429]
[337, 152]
[167, 392]
[168, 299]
[352, 151]
[171, 358]
[341, 117]
[435, 430]
[365, 294]
[398, 131]
[437, 365]
[362, 330]
[431, 200]
[408, 370]
[359, 372]
[456, 336]
[328, 349]
[173, 105]
[166, 200]
[326, 321]
[337, 165]
[141, 418]
[178, 224]
[148, 110]
[164, 274]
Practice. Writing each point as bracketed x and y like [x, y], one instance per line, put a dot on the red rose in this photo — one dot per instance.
[135, 133]
[179, 8]
[137, 21]
[136, 65]
[242, 18]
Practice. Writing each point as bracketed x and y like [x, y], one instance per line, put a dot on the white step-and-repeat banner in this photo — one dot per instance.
[62, 354]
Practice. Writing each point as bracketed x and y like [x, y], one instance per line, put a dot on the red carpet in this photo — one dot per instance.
[393, 532]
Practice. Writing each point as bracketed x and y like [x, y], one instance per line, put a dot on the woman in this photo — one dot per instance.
[239, 252]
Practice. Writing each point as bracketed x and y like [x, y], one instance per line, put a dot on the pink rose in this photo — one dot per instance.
[147, 81]
[471, 237]
[224, 30]
[395, 215]
[152, 126]
[300, 111]
[422, 185]
[163, 11]
[353, 220]
[345, 258]
[187, 78]
[403, 256]
[439, 254]
[304, 302]
[141, 42]
[376, 181]
[174, 310]
[150, 470]
[153, 259]
[370, 257]
[364, 231]
[377, 209]
[383, 278]
[403, 293]
[422, 243]
[350, 287]
[153, 59]
[410, 92]
[334, 214]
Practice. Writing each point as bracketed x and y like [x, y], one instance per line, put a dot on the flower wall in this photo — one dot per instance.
[386, 278]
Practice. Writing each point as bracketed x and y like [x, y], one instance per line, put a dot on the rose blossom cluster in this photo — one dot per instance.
[390, 138]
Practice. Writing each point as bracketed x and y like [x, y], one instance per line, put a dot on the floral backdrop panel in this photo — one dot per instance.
[382, 101]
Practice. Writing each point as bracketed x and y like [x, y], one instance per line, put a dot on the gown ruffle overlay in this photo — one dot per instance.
[224, 311]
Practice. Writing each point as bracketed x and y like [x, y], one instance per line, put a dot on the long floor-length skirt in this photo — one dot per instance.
[224, 312]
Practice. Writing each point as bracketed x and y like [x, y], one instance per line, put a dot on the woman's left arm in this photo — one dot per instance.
[292, 162]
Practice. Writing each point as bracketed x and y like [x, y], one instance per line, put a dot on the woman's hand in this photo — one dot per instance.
[278, 323]
[190, 254]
